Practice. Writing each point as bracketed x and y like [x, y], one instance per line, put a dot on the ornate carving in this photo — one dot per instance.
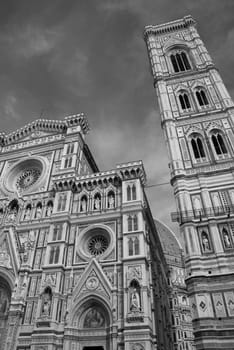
[5, 259]
[135, 272]
[92, 283]
[137, 346]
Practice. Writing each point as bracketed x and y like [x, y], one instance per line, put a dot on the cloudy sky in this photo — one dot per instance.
[63, 57]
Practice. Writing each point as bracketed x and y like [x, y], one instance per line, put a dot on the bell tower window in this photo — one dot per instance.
[219, 145]
[180, 62]
[198, 149]
[184, 101]
[202, 98]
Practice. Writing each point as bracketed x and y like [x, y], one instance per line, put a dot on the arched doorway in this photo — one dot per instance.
[5, 299]
[91, 325]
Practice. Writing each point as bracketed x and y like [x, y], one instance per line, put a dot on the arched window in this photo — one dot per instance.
[133, 192]
[198, 149]
[136, 246]
[68, 162]
[135, 223]
[129, 193]
[219, 145]
[57, 232]
[180, 62]
[130, 247]
[129, 223]
[184, 101]
[70, 148]
[52, 251]
[202, 98]
[56, 258]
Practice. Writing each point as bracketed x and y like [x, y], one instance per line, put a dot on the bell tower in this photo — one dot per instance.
[197, 116]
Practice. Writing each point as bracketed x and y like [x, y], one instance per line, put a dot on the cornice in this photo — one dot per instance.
[127, 171]
[169, 27]
[46, 125]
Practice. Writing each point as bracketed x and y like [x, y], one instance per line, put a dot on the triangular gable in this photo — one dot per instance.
[174, 41]
[8, 255]
[92, 281]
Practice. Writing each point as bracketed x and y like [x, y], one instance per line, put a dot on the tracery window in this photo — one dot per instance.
[62, 199]
[54, 255]
[131, 192]
[70, 148]
[180, 62]
[133, 246]
[202, 97]
[184, 101]
[57, 232]
[197, 146]
[68, 162]
[132, 223]
[219, 145]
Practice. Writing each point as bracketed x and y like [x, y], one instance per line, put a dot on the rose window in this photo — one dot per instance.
[27, 178]
[26, 175]
[97, 245]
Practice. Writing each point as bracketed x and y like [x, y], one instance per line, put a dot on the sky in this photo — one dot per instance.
[63, 57]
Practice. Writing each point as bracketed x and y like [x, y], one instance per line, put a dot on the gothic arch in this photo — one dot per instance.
[82, 308]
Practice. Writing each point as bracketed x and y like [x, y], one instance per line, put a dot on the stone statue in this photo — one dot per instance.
[205, 242]
[49, 209]
[135, 301]
[83, 204]
[12, 214]
[97, 203]
[111, 201]
[38, 212]
[46, 304]
[27, 214]
[226, 239]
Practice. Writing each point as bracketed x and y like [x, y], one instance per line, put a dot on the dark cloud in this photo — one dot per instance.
[63, 57]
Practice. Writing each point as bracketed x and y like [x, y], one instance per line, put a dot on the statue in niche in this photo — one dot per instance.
[97, 203]
[38, 212]
[27, 214]
[226, 239]
[94, 319]
[111, 201]
[4, 301]
[205, 242]
[12, 215]
[135, 301]
[49, 209]
[46, 303]
[83, 204]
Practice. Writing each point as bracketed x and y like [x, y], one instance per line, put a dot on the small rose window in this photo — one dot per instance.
[97, 245]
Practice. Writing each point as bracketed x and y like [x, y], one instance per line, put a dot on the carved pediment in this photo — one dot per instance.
[92, 281]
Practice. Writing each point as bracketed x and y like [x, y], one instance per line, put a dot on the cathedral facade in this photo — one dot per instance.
[197, 116]
[81, 263]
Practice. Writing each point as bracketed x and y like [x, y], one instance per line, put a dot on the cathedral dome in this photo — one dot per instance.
[170, 243]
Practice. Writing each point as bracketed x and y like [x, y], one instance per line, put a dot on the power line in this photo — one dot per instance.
[156, 185]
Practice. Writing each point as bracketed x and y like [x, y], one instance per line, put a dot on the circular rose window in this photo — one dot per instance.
[95, 241]
[28, 178]
[97, 245]
[25, 175]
